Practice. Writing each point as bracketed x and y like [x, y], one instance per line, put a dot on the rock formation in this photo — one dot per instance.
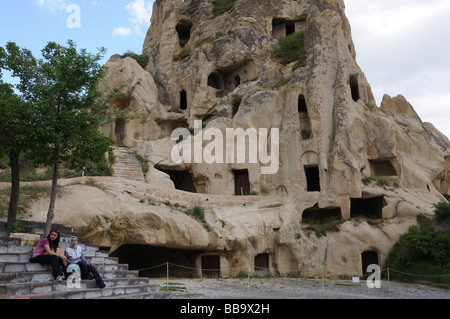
[340, 156]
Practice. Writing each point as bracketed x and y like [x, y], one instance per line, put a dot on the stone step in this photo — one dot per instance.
[107, 272]
[88, 290]
[127, 165]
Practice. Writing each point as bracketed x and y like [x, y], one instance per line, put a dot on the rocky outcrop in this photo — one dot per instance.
[339, 153]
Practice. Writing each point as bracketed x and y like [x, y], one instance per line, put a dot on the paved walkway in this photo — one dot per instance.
[294, 288]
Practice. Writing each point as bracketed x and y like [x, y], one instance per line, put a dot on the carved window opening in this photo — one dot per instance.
[183, 100]
[367, 207]
[226, 80]
[382, 168]
[354, 86]
[312, 178]
[305, 123]
[316, 215]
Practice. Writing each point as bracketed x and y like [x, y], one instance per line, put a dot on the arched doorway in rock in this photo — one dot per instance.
[261, 266]
[120, 131]
[369, 258]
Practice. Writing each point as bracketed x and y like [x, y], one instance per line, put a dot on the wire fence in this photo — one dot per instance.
[262, 272]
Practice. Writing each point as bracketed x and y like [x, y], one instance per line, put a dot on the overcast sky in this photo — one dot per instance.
[402, 46]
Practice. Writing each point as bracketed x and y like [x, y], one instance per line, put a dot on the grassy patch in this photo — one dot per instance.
[141, 59]
[221, 6]
[292, 49]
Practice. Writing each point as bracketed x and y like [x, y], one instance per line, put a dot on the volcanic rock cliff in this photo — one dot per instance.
[340, 155]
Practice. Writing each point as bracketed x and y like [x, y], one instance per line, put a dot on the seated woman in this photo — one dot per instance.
[45, 252]
[75, 255]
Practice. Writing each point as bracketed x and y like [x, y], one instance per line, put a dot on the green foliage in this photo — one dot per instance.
[198, 213]
[221, 6]
[424, 252]
[442, 213]
[63, 105]
[141, 59]
[292, 49]
[184, 53]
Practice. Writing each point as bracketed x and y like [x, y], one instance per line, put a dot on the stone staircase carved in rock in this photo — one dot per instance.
[127, 165]
[21, 279]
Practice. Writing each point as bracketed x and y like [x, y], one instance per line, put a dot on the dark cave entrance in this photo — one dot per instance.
[152, 261]
[241, 182]
[312, 178]
[369, 258]
[182, 180]
[371, 208]
[354, 86]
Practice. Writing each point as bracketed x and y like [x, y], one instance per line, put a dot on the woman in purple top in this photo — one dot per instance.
[46, 253]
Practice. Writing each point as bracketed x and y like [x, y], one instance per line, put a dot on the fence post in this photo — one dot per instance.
[389, 281]
[167, 284]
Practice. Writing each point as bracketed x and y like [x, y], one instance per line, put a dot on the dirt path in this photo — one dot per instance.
[293, 288]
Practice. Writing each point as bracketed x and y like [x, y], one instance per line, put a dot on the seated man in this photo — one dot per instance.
[75, 255]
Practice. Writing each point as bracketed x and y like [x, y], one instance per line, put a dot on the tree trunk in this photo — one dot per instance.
[51, 208]
[15, 188]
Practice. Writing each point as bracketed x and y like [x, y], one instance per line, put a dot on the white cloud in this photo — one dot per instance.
[140, 14]
[122, 31]
[402, 48]
[53, 5]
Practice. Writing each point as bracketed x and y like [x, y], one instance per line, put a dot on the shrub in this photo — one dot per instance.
[291, 49]
[142, 59]
[442, 213]
[421, 254]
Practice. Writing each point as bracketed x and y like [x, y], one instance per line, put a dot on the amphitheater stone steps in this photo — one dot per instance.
[21, 279]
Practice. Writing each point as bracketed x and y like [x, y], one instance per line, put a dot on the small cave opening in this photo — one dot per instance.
[183, 100]
[235, 107]
[316, 215]
[226, 80]
[182, 180]
[184, 32]
[261, 265]
[303, 116]
[151, 261]
[382, 168]
[354, 87]
[215, 80]
[371, 208]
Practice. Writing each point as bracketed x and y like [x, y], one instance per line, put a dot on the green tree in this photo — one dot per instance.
[69, 109]
[15, 116]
